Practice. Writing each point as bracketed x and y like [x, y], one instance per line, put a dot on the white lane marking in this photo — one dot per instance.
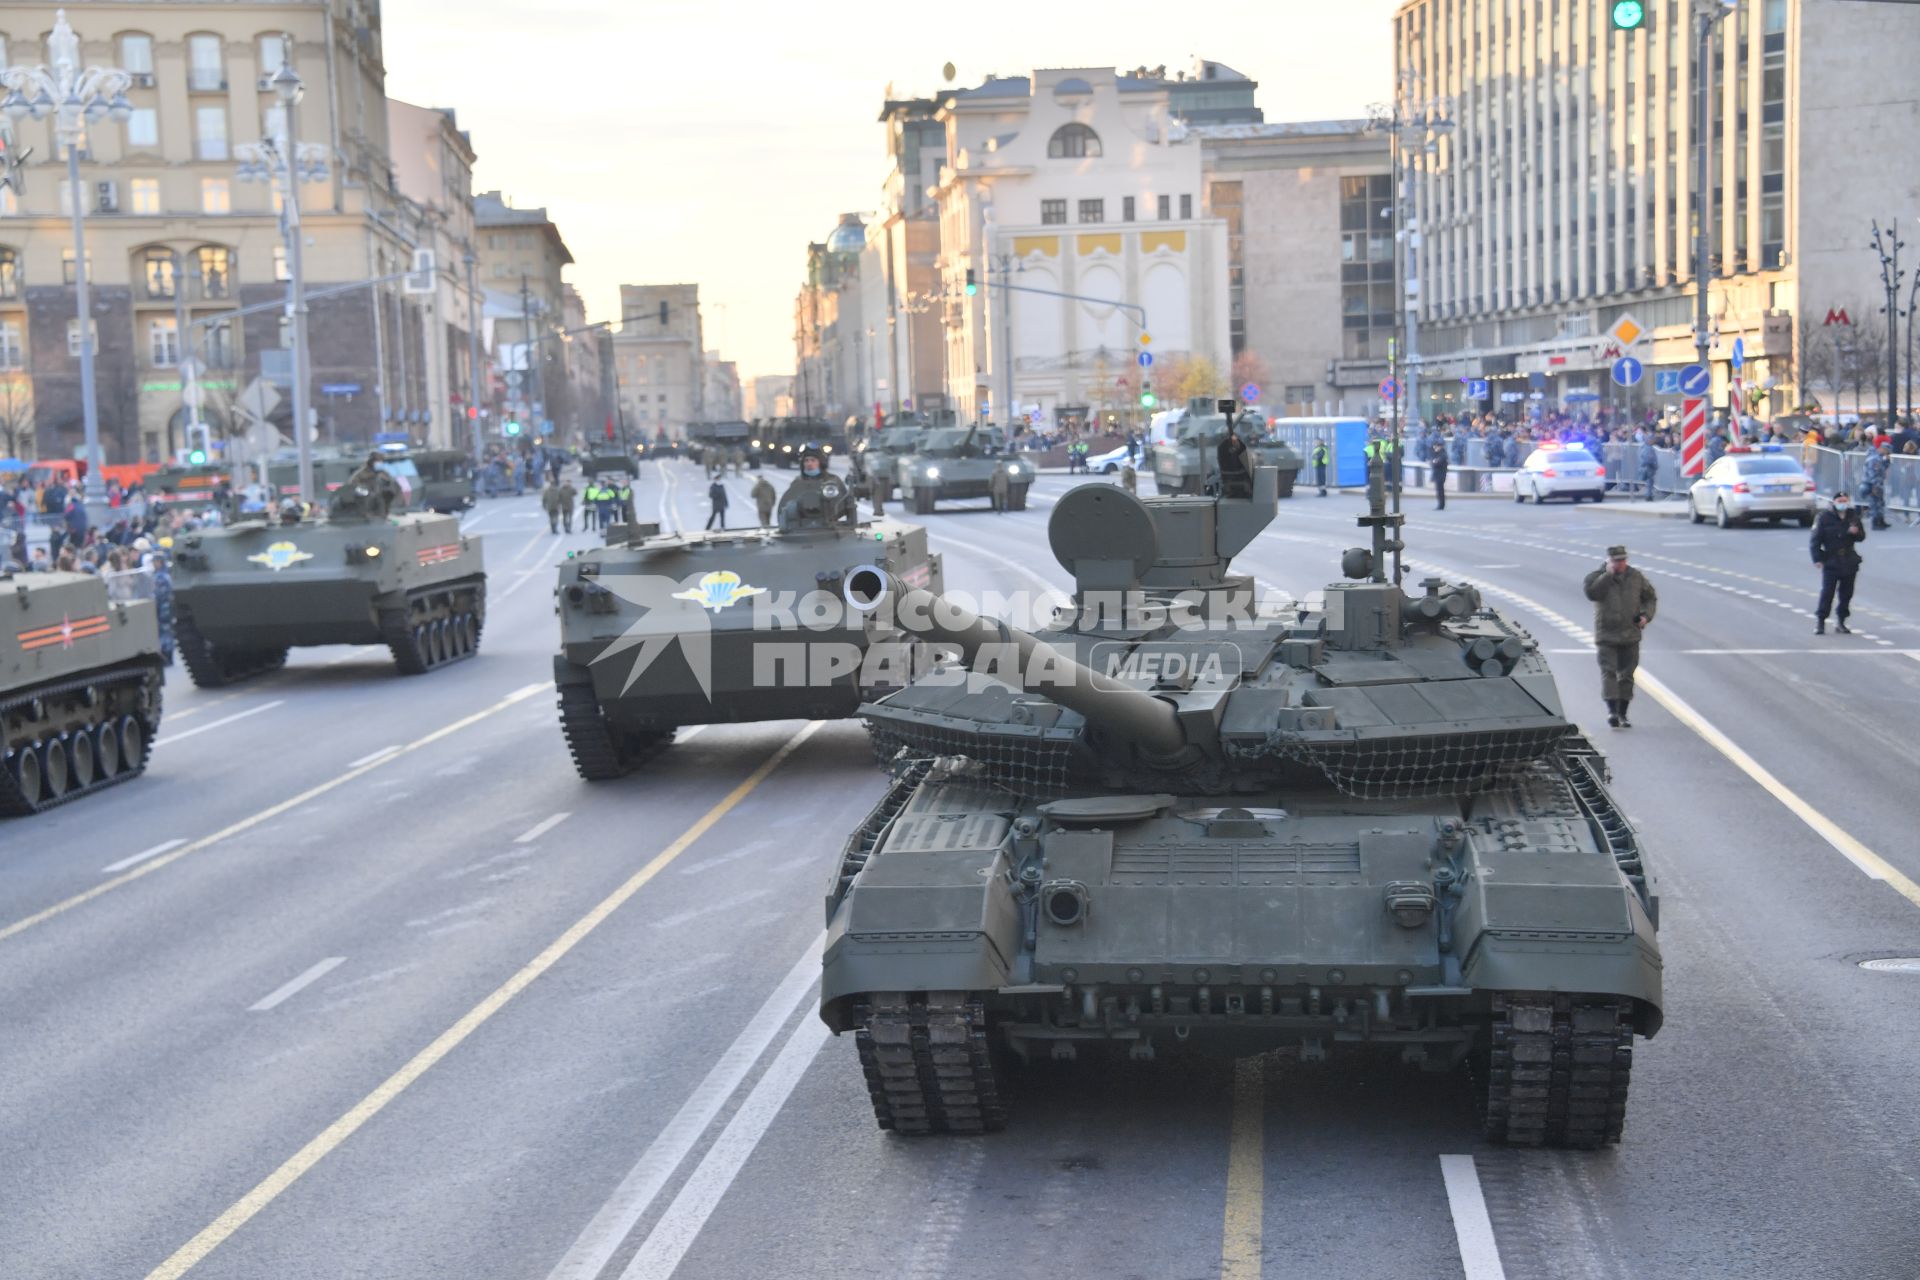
[671, 1237]
[215, 724]
[688, 735]
[533, 545]
[1823, 653]
[521, 579]
[464, 909]
[351, 654]
[637, 1191]
[541, 828]
[1496, 566]
[1472, 1228]
[297, 985]
[142, 856]
[370, 757]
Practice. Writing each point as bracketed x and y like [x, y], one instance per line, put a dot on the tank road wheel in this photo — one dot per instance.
[923, 502]
[1555, 1069]
[473, 633]
[927, 1062]
[204, 663]
[134, 744]
[402, 639]
[53, 766]
[437, 641]
[27, 777]
[106, 750]
[80, 759]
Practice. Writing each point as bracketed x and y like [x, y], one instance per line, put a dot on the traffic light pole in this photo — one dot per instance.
[1707, 14]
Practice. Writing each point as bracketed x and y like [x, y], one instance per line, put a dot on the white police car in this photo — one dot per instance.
[1110, 462]
[1560, 471]
[1746, 484]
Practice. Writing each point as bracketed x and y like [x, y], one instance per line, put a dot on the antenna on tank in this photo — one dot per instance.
[1384, 524]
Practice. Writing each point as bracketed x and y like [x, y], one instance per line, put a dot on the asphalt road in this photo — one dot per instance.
[407, 999]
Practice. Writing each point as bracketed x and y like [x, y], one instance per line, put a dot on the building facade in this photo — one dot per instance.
[659, 365]
[1560, 198]
[770, 396]
[174, 237]
[1074, 182]
[520, 258]
[433, 175]
[833, 369]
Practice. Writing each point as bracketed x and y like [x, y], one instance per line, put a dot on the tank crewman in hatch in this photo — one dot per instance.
[1623, 604]
[818, 498]
[1236, 480]
[368, 492]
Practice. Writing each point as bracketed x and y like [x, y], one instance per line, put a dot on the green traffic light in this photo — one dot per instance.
[1629, 15]
[198, 457]
[1146, 400]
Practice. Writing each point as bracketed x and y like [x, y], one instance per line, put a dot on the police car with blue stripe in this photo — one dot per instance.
[1747, 484]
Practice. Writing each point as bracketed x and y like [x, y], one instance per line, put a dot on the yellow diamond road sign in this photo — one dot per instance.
[1626, 331]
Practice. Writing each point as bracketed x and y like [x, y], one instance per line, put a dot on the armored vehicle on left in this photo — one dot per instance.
[245, 594]
[659, 630]
[79, 688]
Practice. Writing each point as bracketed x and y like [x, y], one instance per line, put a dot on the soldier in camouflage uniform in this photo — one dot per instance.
[817, 497]
[368, 492]
[1873, 485]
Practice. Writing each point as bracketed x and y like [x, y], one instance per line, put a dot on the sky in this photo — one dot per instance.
[703, 141]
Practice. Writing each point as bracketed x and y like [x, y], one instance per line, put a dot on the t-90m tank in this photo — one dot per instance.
[952, 462]
[245, 594]
[659, 631]
[79, 688]
[1191, 461]
[1174, 816]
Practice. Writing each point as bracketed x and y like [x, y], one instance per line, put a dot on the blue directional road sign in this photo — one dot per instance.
[1739, 352]
[1694, 380]
[1666, 382]
[1250, 393]
[1627, 371]
[1145, 358]
[1476, 388]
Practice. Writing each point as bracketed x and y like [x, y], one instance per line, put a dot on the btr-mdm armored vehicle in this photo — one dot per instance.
[1169, 817]
[663, 630]
[245, 594]
[79, 688]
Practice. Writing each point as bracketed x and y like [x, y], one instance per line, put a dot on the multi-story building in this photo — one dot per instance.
[1074, 181]
[904, 255]
[770, 396]
[659, 369]
[721, 400]
[590, 407]
[431, 371]
[1561, 198]
[1312, 286]
[521, 257]
[173, 235]
[833, 368]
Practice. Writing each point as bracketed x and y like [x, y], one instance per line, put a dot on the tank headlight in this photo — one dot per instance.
[1013, 470]
[933, 473]
[373, 553]
[786, 448]
[826, 448]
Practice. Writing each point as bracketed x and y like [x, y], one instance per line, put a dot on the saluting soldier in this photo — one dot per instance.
[1623, 604]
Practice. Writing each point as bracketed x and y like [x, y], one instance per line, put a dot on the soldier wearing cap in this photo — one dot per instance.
[1623, 604]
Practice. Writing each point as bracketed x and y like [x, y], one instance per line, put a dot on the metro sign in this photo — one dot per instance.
[1839, 316]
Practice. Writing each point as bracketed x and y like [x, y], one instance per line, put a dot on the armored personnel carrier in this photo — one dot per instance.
[79, 688]
[1175, 816]
[663, 630]
[1188, 460]
[244, 594]
[956, 462]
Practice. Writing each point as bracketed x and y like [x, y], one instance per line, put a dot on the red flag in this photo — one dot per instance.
[609, 426]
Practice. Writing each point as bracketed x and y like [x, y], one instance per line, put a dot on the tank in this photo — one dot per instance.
[1180, 817]
[79, 688]
[878, 456]
[658, 630]
[1187, 461]
[245, 594]
[955, 463]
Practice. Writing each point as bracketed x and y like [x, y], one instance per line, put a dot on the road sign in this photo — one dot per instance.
[1250, 393]
[193, 396]
[1389, 388]
[1626, 331]
[515, 378]
[276, 366]
[1477, 389]
[339, 388]
[1146, 339]
[1666, 382]
[1145, 359]
[1693, 436]
[259, 400]
[1739, 352]
[1694, 380]
[1627, 371]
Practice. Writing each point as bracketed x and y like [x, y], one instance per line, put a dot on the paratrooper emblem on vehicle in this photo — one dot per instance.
[279, 555]
[717, 590]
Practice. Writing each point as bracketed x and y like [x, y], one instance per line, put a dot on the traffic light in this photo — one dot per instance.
[512, 427]
[972, 286]
[199, 444]
[1628, 15]
[1146, 400]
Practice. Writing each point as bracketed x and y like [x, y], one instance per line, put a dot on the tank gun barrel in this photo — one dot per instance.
[1107, 703]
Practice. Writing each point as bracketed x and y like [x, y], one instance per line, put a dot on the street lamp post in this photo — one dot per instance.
[286, 163]
[1887, 244]
[1707, 14]
[473, 353]
[73, 97]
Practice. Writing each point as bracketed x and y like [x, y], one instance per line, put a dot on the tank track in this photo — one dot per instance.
[211, 666]
[1556, 1069]
[14, 803]
[927, 1062]
[601, 752]
[419, 647]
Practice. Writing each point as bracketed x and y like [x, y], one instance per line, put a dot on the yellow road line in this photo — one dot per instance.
[244, 1209]
[265, 815]
[1241, 1238]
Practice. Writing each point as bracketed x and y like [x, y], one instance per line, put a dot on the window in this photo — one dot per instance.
[163, 342]
[1053, 212]
[280, 271]
[136, 54]
[144, 193]
[206, 64]
[1165, 207]
[210, 133]
[12, 353]
[1186, 206]
[143, 128]
[1301, 394]
[274, 54]
[66, 266]
[216, 196]
[1073, 142]
[1093, 211]
[158, 272]
[216, 272]
[9, 274]
[73, 337]
[219, 345]
[1126, 208]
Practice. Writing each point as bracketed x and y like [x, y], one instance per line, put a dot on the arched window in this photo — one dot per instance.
[216, 271]
[157, 271]
[9, 275]
[1073, 141]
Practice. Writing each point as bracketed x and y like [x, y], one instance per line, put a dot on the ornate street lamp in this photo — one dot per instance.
[73, 97]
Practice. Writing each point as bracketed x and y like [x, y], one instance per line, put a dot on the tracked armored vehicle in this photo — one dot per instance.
[955, 463]
[1360, 827]
[658, 630]
[1187, 461]
[79, 689]
[245, 594]
[878, 456]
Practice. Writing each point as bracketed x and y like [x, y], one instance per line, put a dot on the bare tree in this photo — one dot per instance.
[17, 426]
[1864, 360]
